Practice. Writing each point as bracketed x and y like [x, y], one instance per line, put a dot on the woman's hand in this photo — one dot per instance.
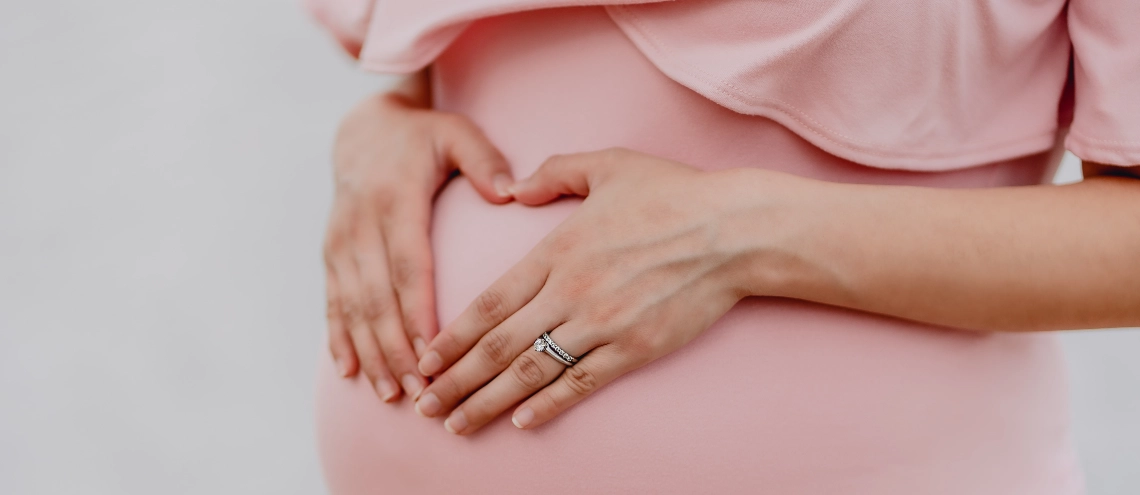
[642, 267]
[390, 158]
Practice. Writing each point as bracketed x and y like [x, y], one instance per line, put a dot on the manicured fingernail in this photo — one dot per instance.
[523, 417]
[430, 363]
[419, 345]
[428, 405]
[412, 385]
[341, 368]
[386, 390]
[502, 184]
[456, 423]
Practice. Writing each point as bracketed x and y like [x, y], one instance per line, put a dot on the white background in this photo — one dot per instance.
[163, 184]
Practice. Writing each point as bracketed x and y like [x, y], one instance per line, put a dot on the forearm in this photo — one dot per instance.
[1004, 259]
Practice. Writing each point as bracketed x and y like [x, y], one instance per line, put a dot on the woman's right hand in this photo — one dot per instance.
[391, 156]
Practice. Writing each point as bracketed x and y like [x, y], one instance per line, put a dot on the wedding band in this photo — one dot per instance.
[547, 345]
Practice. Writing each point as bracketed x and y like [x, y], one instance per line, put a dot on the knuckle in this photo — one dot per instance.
[576, 285]
[491, 306]
[332, 309]
[372, 369]
[447, 390]
[560, 242]
[497, 347]
[384, 199]
[528, 371]
[399, 358]
[404, 272]
[642, 345]
[613, 316]
[602, 315]
[370, 364]
[581, 380]
[351, 312]
[549, 404]
[401, 362]
[638, 346]
[413, 325]
[376, 304]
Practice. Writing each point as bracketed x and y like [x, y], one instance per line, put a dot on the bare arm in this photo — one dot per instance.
[1005, 259]
[658, 251]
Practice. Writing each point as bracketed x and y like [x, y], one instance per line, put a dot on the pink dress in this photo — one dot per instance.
[778, 396]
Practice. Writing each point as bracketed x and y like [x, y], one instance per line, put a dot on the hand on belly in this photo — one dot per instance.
[637, 271]
[389, 159]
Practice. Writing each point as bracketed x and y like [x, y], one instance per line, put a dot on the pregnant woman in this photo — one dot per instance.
[724, 246]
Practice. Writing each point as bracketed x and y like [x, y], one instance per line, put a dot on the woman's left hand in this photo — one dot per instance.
[643, 266]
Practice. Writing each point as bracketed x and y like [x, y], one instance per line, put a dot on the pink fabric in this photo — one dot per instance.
[778, 396]
[405, 36]
[886, 83]
[1106, 62]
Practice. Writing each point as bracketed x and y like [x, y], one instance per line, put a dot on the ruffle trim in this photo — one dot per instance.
[388, 43]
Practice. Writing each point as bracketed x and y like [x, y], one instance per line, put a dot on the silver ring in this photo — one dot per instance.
[547, 345]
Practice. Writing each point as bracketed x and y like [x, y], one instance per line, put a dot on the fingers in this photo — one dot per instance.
[502, 299]
[381, 312]
[363, 340]
[565, 175]
[600, 367]
[410, 264]
[529, 372]
[469, 150]
[493, 354]
[340, 344]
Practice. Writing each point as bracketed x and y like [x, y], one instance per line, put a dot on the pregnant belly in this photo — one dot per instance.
[778, 396]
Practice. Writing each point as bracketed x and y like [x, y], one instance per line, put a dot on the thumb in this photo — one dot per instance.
[467, 149]
[560, 175]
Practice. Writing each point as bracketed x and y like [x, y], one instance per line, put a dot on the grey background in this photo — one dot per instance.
[163, 185]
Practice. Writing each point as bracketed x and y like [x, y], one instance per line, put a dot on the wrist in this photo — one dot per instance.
[771, 221]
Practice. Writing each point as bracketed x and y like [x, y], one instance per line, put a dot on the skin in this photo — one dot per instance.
[623, 289]
[392, 153]
[631, 287]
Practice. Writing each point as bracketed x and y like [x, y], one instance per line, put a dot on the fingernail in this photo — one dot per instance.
[428, 405]
[456, 423]
[502, 184]
[430, 363]
[523, 417]
[386, 390]
[419, 345]
[341, 368]
[412, 385]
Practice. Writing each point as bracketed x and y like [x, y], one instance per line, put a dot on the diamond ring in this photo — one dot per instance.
[547, 345]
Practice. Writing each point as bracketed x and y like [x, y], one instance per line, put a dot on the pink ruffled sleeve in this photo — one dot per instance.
[1106, 65]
